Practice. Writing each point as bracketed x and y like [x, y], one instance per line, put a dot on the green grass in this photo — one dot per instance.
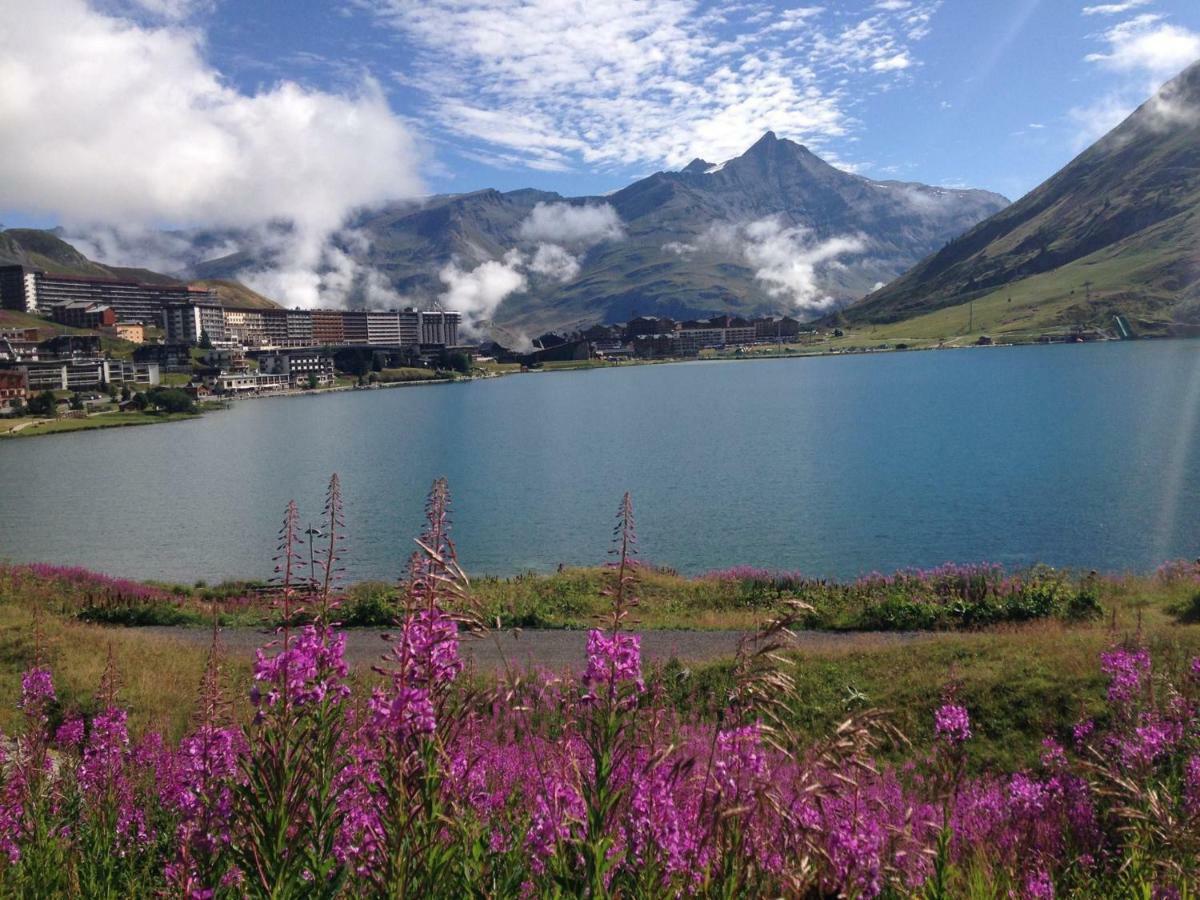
[37, 427]
[158, 677]
[406, 373]
[566, 365]
[1020, 682]
[1125, 279]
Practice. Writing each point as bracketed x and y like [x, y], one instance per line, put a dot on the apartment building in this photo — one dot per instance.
[18, 288]
[354, 325]
[33, 290]
[298, 366]
[14, 387]
[133, 332]
[83, 314]
[383, 327]
[328, 327]
[189, 322]
[699, 335]
[439, 327]
[246, 326]
[247, 382]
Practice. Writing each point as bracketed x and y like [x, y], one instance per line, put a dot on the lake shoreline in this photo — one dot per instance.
[827, 467]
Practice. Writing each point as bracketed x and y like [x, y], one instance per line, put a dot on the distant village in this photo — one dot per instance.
[185, 336]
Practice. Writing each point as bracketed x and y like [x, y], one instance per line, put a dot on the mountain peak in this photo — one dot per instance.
[697, 166]
[767, 140]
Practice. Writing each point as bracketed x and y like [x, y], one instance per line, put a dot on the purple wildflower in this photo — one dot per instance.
[952, 724]
[408, 713]
[1039, 886]
[70, 733]
[1127, 671]
[613, 659]
[309, 670]
[37, 690]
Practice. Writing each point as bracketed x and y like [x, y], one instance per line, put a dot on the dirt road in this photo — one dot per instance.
[553, 649]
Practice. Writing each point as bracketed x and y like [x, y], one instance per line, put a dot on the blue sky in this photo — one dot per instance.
[123, 118]
[988, 93]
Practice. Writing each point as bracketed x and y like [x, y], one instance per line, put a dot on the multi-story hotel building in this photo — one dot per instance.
[32, 290]
[328, 327]
[190, 322]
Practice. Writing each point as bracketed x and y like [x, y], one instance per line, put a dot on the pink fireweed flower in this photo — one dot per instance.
[407, 713]
[1039, 886]
[70, 733]
[1191, 785]
[427, 649]
[1053, 754]
[613, 659]
[740, 760]
[1127, 671]
[12, 809]
[310, 669]
[557, 812]
[1153, 738]
[104, 757]
[37, 690]
[201, 789]
[952, 724]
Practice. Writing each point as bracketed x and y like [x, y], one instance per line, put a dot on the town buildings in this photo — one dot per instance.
[73, 363]
[193, 322]
[84, 314]
[301, 367]
[133, 332]
[248, 382]
[32, 290]
[14, 387]
[272, 328]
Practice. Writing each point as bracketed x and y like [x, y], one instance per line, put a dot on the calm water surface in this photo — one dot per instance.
[1081, 455]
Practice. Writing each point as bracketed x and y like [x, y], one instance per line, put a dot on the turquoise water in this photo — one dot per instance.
[1083, 455]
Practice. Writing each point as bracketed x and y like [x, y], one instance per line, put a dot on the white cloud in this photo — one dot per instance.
[108, 120]
[1113, 9]
[554, 262]
[613, 83]
[1145, 49]
[788, 259]
[174, 10]
[477, 293]
[892, 63]
[1096, 119]
[1145, 43]
[571, 224]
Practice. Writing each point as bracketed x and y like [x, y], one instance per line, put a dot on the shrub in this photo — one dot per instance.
[171, 400]
[43, 404]
[1189, 612]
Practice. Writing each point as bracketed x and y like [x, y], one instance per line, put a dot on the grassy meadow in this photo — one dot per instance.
[1028, 670]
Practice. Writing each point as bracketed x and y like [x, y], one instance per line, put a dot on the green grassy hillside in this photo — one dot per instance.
[1114, 232]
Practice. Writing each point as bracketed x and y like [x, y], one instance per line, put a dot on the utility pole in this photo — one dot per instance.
[1087, 287]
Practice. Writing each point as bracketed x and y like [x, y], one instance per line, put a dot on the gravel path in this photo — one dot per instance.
[556, 649]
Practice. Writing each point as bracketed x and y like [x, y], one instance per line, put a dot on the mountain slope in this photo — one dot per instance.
[706, 239]
[1116, 231]
[234, 293]
[748, 222]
